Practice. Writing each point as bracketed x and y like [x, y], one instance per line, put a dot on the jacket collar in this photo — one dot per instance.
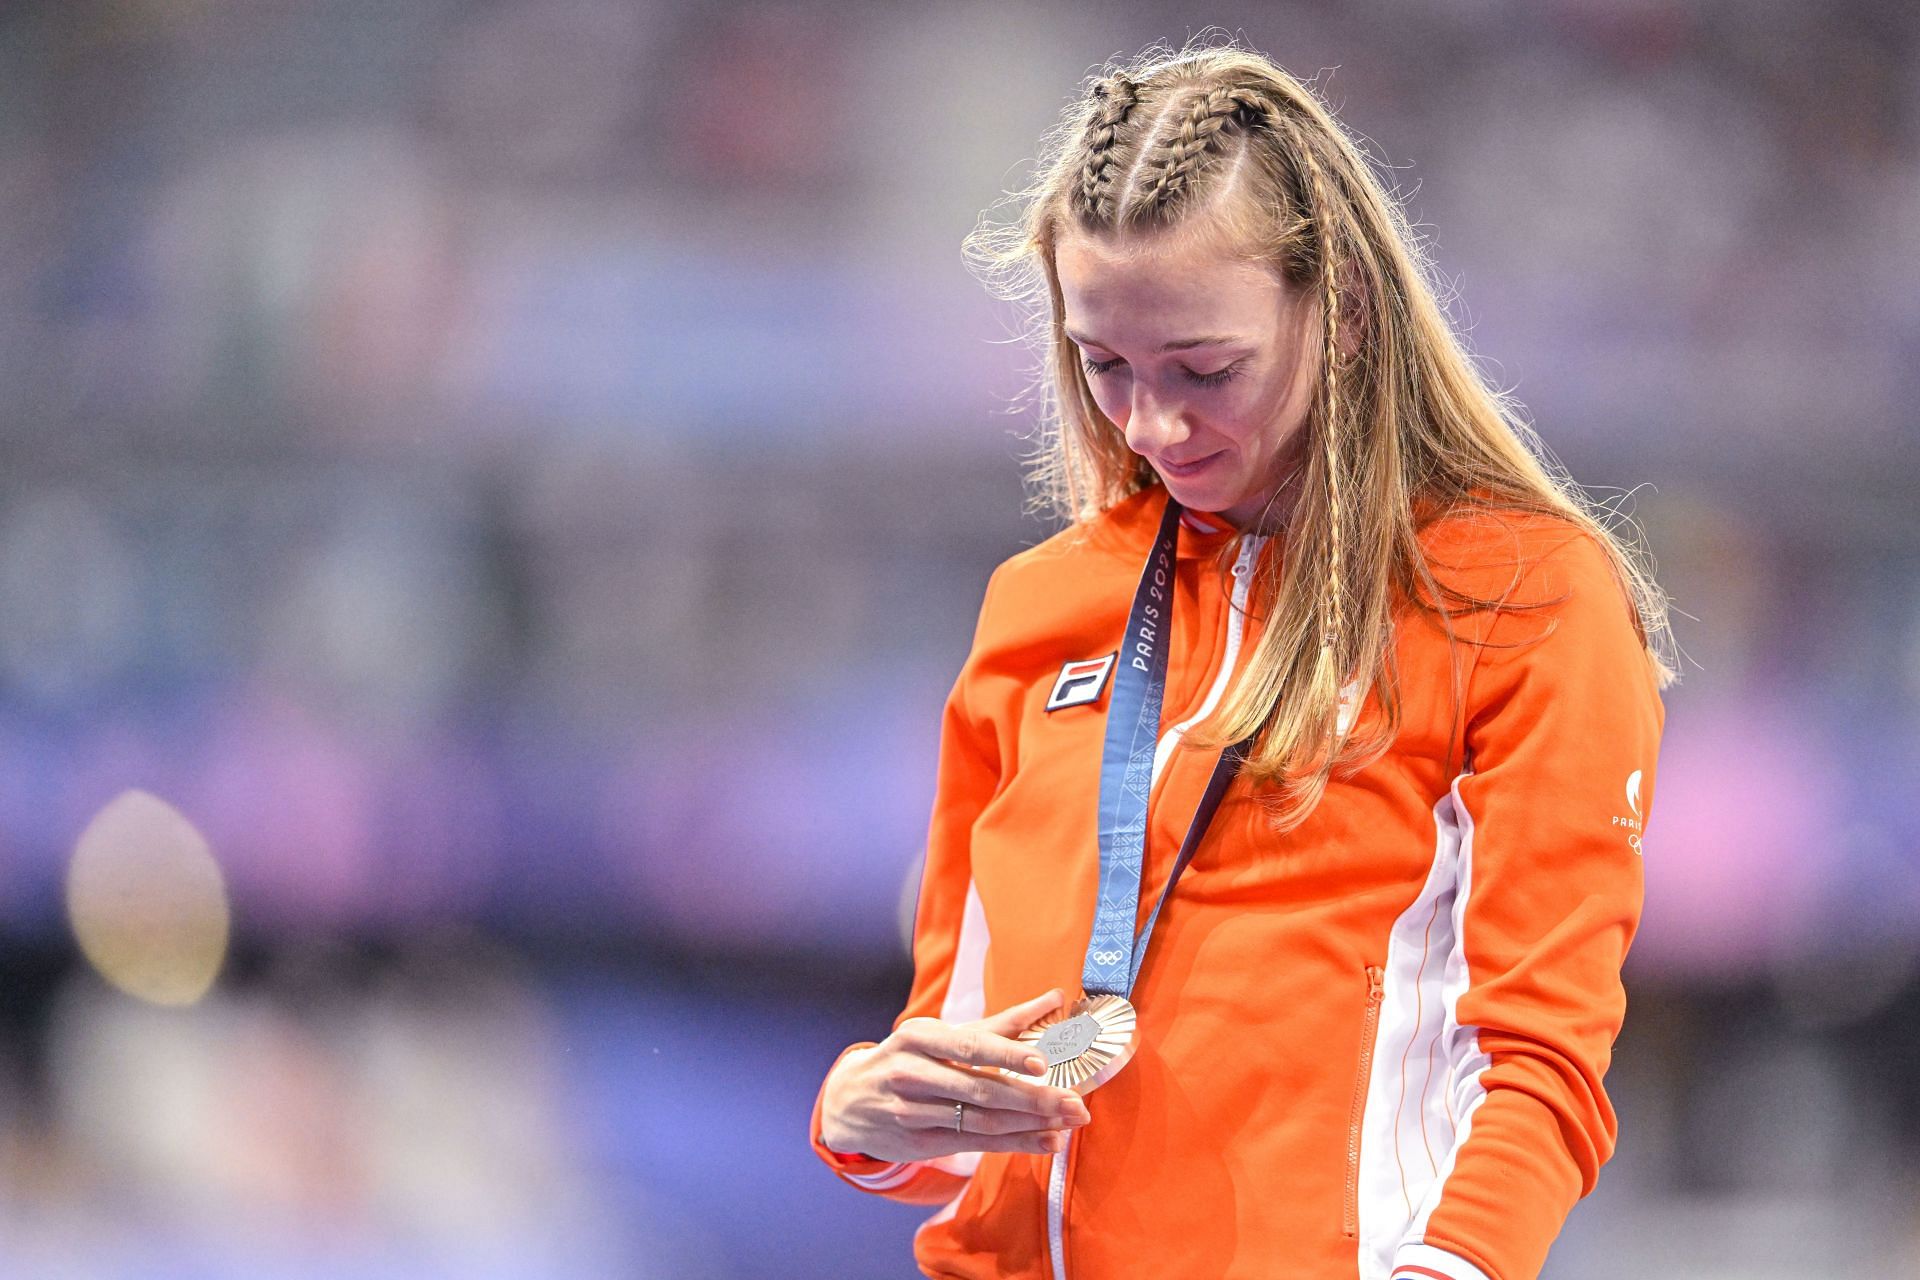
[1128, 527]
[1201, 532]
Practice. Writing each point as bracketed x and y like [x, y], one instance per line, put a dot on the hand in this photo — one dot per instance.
[895, 1101]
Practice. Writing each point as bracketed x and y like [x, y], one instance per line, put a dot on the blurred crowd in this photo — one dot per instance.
[522, 472]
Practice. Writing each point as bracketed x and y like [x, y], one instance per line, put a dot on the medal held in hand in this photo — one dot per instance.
[1086, 1043]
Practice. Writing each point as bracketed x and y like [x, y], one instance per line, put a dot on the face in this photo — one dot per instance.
[1206, 362]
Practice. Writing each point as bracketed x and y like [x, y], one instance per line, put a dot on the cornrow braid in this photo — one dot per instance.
[1191, 140]
[1093, 199]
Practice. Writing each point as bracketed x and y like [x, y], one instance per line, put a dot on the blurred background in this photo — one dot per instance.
[494, 495]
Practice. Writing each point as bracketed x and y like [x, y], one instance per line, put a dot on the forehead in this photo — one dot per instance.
[1144, 290]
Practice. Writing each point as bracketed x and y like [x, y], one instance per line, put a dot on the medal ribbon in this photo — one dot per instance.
[1114, 954]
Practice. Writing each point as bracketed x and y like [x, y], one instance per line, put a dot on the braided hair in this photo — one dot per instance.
[1192, 134]
[1093, 198]
[1222, 142]
[1192, 141]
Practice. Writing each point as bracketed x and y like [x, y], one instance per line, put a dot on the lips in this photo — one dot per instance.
[1183, 469]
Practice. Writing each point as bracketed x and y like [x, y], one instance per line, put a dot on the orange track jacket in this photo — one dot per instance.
[1370, 1047]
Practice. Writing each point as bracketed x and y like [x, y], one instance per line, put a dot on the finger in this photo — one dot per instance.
[914, 1077]
[939, 1082]
[970, 1044]
[1012, 1021]
[938, 1116]
[987, 1089]
[978, 1120]
[1040, 1144]
[932, 1143]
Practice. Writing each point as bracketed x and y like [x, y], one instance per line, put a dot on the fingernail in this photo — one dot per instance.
[1036, 1065]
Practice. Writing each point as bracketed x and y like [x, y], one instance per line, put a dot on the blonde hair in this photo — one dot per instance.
[1219, 139]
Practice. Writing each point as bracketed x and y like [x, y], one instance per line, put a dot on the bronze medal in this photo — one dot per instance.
[1085, 1044]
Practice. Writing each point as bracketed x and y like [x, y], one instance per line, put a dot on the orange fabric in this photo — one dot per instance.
[1488, 865]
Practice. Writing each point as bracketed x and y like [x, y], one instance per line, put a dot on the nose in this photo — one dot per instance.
[1153, 422]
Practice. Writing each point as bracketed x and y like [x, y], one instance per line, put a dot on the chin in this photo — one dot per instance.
[1198, 493]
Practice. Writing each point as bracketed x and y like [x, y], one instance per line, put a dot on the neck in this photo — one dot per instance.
[1268, 513]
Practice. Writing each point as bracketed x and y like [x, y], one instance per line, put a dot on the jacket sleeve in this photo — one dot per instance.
[1562, 726]
[949, 929]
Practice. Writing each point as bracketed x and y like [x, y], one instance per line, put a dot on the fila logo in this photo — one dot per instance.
[1081, 682]
[1633, 824]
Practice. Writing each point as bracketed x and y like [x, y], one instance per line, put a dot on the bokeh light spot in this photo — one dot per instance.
[147, 901]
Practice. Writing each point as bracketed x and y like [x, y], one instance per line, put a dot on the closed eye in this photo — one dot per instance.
[1220, 377]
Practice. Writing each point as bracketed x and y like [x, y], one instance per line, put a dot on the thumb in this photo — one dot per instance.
[1017, 1018]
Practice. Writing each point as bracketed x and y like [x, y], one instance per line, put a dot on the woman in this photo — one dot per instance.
[1399, 748]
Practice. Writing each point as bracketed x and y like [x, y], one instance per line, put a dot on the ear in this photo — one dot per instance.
[1356, 308]
[1355, 300]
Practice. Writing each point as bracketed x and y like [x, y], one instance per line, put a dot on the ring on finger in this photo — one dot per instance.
[959, 1117]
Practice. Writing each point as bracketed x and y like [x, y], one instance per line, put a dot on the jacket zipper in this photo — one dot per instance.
[1376, 992]
[1057, 1208]
[1242, 571]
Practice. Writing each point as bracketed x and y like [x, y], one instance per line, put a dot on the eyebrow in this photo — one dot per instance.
[1178, 344]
